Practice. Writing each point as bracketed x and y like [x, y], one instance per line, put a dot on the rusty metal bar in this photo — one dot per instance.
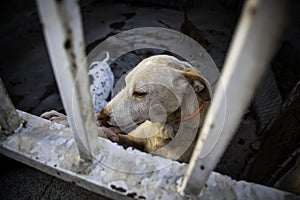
[253, 45]
[9, 118]
[64, 37]
[51, 148]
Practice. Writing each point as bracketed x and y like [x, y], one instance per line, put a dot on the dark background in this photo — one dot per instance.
[267, 135]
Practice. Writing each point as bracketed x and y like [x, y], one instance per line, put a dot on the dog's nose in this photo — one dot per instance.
[103, 118]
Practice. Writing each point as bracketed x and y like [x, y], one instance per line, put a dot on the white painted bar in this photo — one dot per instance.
[51, 148]
[9, 118]
[63, 33]
[253, 45]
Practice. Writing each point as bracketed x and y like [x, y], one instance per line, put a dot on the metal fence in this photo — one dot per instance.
[82, 156]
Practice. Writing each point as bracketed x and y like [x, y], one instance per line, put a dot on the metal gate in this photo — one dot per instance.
[77, 154]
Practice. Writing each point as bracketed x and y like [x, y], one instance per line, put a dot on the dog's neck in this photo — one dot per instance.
[186, 111]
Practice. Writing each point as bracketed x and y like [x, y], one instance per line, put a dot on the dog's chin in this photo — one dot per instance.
[124, 130]
[117, 130]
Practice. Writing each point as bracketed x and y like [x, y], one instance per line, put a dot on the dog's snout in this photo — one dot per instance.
[104, 115]
[103, 118]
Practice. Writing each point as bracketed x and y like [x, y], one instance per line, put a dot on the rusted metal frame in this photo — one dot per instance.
[64, 37]
[51, 148]
[253, 45]
[9, 119]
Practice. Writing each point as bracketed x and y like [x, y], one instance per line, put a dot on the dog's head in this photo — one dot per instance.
[154, 89]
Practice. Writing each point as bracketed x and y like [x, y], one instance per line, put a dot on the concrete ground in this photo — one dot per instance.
[18, 181]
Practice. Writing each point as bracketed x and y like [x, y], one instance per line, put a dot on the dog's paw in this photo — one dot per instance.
[108, 134]
[56, 117]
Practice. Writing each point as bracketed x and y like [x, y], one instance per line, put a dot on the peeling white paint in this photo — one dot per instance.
[70, 143]
[55, 152]
[55, 126]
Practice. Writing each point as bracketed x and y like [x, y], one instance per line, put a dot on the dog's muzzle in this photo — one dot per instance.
[103, 118]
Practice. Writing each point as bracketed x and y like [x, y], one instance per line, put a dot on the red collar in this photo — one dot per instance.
[193, 114]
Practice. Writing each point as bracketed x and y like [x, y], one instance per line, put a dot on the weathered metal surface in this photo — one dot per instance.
[9, 119]
[51, 148]
[254, 43]
[63, 33]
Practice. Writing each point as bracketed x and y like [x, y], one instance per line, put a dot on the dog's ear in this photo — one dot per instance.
[199, 84]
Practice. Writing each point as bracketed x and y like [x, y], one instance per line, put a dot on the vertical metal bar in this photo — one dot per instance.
[9, 118]
[64, 37]
[253, 45]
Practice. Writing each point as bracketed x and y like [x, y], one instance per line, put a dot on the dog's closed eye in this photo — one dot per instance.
[139, 94]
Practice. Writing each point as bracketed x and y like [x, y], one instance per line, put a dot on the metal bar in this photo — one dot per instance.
[254, 43]
[63, 33]
[50, 148]
[9, 119]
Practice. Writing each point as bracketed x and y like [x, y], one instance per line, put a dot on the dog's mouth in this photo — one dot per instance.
[124, 129]
[108, 125]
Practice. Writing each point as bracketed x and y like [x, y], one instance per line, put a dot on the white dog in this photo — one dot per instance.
[161, 109]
